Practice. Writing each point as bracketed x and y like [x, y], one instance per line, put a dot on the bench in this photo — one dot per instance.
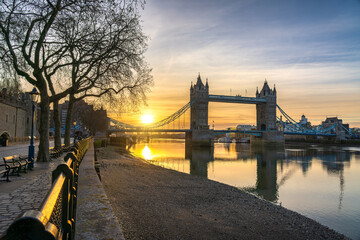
[5, 173]
[66, 149]
[55, 152]
[16, 164]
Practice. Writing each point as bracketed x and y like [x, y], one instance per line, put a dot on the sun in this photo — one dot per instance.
[147, 118]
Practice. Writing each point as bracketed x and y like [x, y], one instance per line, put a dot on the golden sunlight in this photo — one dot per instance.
[147, 118]
[146, 152]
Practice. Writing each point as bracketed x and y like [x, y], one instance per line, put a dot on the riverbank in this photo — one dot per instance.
[156, 203]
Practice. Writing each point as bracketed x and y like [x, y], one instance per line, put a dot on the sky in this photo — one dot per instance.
[309, 49]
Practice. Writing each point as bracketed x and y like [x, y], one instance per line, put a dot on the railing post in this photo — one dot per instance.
[32, 225]
[67, 203]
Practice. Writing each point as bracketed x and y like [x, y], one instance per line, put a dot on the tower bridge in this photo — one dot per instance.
[269, 128]
[265, 102]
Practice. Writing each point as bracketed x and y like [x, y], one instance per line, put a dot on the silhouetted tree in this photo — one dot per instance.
[63, 47]
[93, 120]
[106, 49]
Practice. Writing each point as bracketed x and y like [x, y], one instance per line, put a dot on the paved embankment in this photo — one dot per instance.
[156, 203]
[95, 218]
[25, 192]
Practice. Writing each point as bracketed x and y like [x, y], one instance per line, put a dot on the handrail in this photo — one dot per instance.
[56, 216]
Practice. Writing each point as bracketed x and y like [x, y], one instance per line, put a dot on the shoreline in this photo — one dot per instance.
[152, 202]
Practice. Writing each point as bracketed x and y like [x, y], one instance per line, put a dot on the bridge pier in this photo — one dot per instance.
[269, 138]
[202, 137]
[199, 138]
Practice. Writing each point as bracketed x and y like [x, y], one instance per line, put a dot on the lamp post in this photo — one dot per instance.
[31, 155]
[74, 132]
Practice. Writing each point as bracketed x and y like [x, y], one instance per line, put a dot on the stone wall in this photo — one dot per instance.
[15, 117]
[14, 121]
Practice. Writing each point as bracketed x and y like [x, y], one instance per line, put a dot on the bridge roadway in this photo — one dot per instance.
[310, 134]
[255, 133]
[236, 99]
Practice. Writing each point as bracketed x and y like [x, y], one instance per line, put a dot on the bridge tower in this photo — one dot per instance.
[199, 96]
[266, 112]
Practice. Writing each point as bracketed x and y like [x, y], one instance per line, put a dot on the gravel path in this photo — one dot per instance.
[156, 203]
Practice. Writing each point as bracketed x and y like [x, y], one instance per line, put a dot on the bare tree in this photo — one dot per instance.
[106, 49]
[9, 79]
[72, 47]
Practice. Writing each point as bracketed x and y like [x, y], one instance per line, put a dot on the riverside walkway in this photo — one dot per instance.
[27, 192]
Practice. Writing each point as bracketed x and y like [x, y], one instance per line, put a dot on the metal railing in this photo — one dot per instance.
[56, 216]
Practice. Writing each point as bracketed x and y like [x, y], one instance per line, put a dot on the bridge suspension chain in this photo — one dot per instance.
[291, 123]
[161, 123]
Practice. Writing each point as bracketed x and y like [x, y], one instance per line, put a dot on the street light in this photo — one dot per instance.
[74, 132]
[33, 96]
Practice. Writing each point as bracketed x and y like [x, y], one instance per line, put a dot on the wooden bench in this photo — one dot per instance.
[66, 149]
[5, 173]
[55, 152]
[16, 164]
[24, 162]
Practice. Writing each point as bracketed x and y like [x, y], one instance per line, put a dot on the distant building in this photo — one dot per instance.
[245, 127]
[15, 117]
[339, 128]
[304, 122]
[80, 109]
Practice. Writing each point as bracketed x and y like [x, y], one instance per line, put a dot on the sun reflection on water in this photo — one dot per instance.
[146, 152]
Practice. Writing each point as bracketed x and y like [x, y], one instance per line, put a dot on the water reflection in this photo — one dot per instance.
[266, 182]
[146, 153]
[199, 159]
[274, 165]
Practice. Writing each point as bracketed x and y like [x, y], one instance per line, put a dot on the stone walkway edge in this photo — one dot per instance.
[95, 218]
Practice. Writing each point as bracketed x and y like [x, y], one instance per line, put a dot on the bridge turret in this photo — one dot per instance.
[266, 112]
[199, 97]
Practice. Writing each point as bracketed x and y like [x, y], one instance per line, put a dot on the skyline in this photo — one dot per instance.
[310, 51]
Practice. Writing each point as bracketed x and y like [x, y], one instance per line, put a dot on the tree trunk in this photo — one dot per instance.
[68, 122]
[57, 123]
[43, 153]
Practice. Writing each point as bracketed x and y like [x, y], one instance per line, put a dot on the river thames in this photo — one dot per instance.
[320, 182]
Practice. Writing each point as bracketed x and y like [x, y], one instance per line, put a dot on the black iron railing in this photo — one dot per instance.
[56, 216]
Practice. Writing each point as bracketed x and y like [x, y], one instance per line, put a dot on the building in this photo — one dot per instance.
[337, 127]
[245, 127]
[16, 115]
[304, 122]
[78, 108]
[81, 110]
